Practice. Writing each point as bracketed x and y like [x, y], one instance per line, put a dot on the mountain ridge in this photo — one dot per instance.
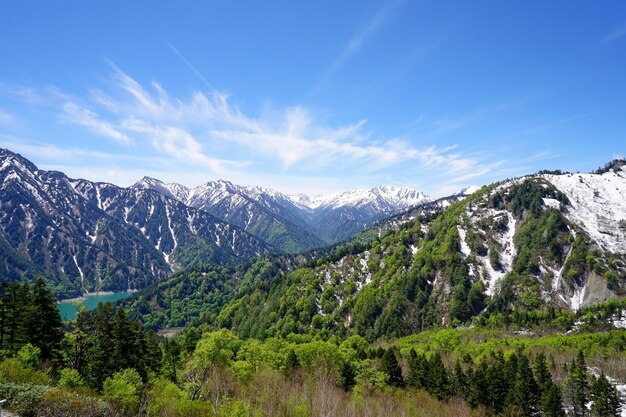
[327, 219]
[511, 251]
[87, 236]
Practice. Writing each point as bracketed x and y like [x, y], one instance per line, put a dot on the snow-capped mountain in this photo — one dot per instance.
[292, 222]
[265, 213]
[87, 236]
[468, 190]
[339, 216]
[581, 254]
[383, 198]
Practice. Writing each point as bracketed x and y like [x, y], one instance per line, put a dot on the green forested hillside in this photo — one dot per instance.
[476, 311]
[422, 275]
[103, 364]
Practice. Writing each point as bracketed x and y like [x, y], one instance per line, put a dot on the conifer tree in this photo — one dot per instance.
[191, 340]
[389, 365]
[551, 403]
[347, 375]
[418, 370]
[542, 374]
[291, 362]
[579, 385]
[42, 320]
[606, 398]
[523, 394]
[458, 385]
[437, 382]
[171, 359]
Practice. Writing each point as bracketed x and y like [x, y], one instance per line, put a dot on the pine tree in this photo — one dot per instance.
[459, 380]
[551, 403]
[152, 355]
[579, 385]
[291, 362]
[418, 370]
[347, 375]
[102, 363]
[171, 359]
[606, 398]
[43, 321]
[523, 395]
[542, 374]
[191, 340]
[498, 385]
[389, 365]
[125, 353]
[437, 382]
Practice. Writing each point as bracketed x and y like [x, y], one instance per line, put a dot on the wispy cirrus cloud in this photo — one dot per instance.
[6, 117]
[73, 113]
[615, 34]
[208, 132]
[358, 39]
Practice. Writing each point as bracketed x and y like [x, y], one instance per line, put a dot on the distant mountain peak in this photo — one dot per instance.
[388, 197]
[468, 190]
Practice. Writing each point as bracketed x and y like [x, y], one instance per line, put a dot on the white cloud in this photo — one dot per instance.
[5, 118]
[358, 39]
[616, 33]
[73, 113]
[206, 134]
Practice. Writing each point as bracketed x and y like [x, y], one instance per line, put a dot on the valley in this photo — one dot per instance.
[500, 278]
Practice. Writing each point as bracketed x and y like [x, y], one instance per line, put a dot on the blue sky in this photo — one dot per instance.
[314, 96]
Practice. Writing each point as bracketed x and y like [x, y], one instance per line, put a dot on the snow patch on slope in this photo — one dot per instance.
[598, 205]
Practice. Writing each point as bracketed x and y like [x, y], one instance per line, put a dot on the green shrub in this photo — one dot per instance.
[12, 371]
[62, 402]
[123, 390]
[23, 399]
[70, 378]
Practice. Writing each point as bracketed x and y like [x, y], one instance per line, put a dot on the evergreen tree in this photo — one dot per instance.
[43, 321]
[152, 355]
[389, 365]
[498, 385]
[606, 398]
[437, 382]
[458, 384]
[125, 349]
[523, 395]
[347, 375]
[15, 303]
[191, 340]
[171, 359]
[291, 362]
[102, 363]
[418, 370]
[551, 403]
[579, 385]
[476, 393]
[542, 374]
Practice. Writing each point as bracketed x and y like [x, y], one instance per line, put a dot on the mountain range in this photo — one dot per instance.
[514, 251]
[86, 236]
[293, 223]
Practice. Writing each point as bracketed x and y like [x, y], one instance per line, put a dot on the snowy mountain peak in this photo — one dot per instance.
[469, 190]
[385, 197]
[173, 190]
[597, 205]
[17, 162]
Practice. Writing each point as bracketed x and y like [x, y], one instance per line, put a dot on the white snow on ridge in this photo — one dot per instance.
[383, 195]
[598, 205]
[551, 202]
[465, 249]
[507, 254]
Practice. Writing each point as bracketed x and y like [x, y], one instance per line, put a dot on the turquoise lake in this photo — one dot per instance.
[69, 309]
